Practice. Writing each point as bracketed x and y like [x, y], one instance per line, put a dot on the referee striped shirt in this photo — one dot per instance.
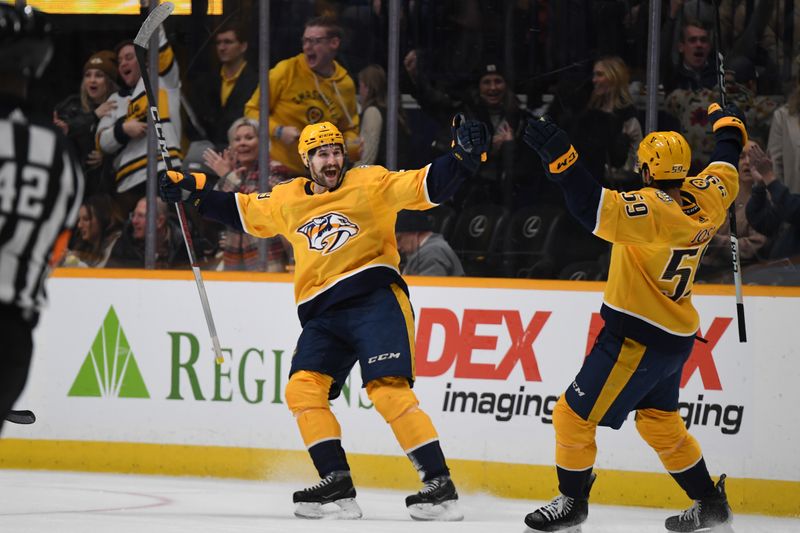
[41, 189]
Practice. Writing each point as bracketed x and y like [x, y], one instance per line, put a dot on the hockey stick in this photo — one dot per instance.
[737, 273]
[21, 417]
[141, 43]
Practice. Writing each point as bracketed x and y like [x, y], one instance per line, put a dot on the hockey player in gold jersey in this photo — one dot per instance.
[352, 302]
[659, 234]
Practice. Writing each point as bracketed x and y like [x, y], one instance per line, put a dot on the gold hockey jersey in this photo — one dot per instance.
[343, 235]
[657, 246]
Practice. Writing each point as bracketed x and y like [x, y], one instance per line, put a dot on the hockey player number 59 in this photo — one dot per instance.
[681, 265]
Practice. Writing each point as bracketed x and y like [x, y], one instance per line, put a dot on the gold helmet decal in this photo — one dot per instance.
[666, 154]
[316, 135]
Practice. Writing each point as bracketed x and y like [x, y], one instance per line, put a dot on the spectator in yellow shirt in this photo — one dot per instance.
[308, 88]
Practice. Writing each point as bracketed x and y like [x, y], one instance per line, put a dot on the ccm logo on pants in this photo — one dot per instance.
[383, 357]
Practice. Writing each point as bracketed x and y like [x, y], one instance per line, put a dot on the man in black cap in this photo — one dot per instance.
[424, 252]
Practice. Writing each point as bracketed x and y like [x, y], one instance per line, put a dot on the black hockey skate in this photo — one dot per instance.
[335, 488]
[562, 514]
[437, 500]
[707, 514]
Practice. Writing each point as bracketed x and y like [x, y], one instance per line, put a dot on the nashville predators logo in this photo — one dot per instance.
[329, 232]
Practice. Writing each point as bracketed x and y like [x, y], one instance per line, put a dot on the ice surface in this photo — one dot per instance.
[66, 502]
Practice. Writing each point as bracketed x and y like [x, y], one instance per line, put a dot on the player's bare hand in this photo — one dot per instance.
[760, 165]
[289, 135]
[219, 163]
[105, 108]
[135, 129]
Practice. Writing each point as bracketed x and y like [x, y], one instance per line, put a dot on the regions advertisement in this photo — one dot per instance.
[130, 360]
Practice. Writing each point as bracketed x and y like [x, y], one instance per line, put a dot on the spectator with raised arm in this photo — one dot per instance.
[716, 263]
[122, 134]
[237, 167]
[309, 88]
[491, 100]
[773, 210]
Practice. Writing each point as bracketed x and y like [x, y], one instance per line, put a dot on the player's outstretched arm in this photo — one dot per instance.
[469, 146]
[176, 186]
[560, 159]
[730, 133]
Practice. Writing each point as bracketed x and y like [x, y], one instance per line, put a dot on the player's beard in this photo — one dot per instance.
[326, 178]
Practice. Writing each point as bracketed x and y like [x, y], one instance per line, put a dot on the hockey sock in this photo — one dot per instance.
[328, 456]
[573, 483]
[429, 461]
[695, 480]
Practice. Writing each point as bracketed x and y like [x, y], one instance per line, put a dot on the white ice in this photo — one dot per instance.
[66, 502]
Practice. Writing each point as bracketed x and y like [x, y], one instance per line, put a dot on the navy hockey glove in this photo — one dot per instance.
[551, 143]
[470, 142]
[176, 186]
[728, 123]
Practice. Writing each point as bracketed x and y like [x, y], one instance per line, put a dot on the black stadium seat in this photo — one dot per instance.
[568, 243]
[444, 218]
[525, 238]
[476, 237]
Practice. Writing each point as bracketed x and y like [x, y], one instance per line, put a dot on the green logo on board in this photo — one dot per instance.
[110, 369]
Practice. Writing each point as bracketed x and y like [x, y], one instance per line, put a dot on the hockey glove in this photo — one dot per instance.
[551, 143]
[470, 142]
[176, 186]
[728, 123]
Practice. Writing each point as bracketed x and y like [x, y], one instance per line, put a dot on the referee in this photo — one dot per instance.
[41, 188]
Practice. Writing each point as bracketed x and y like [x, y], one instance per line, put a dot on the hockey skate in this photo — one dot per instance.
[562, 514]
[707, 514]
[437, 500]
[333, 497]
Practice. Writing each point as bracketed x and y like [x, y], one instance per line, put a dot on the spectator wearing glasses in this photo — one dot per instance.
[309, 88]
[220, 98]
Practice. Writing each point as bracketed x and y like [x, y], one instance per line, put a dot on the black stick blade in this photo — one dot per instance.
[21, 417]
[153, 21]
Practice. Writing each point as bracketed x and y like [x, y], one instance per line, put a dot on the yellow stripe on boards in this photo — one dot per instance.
[408, 314]
[628, 359]
[507, 480]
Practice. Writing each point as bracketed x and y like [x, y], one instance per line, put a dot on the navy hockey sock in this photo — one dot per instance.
[429, 461]
[328, 456]
[573, 483]
[696, 481]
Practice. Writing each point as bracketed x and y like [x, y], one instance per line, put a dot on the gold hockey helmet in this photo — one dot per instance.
[316, 135]
[666, 154]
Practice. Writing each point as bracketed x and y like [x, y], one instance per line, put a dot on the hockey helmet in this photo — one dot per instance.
[316, 135]
[25, 45]
[666, 154]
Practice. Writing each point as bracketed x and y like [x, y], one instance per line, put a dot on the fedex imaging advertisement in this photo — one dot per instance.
[129, 359]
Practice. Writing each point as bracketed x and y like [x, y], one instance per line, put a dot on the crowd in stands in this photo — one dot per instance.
[582, 63]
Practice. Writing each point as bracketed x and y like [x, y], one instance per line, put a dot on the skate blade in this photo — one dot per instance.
[344, 509]
[726, 527]
[444, 512]
[572, 529]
